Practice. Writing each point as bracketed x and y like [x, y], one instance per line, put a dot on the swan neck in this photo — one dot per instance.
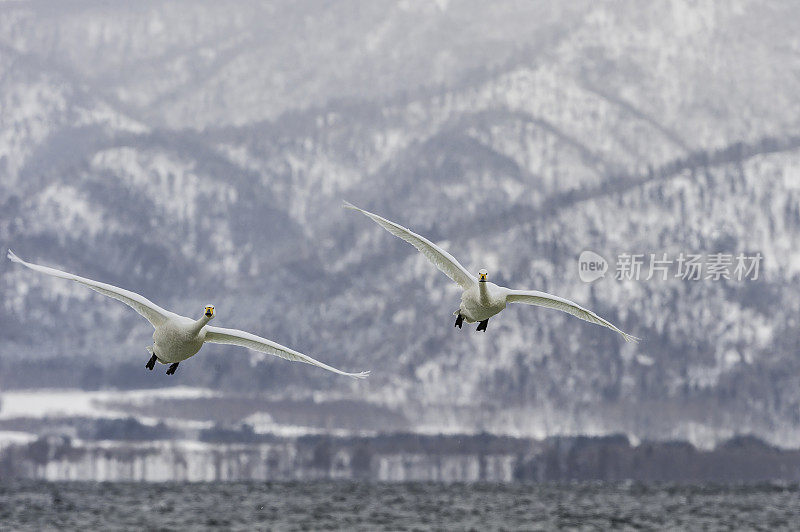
[484, 291]
[199, 324]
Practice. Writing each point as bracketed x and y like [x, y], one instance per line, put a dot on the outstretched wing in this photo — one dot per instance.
[218, 335]
[439, 257]
[152, 312]
[542, 299]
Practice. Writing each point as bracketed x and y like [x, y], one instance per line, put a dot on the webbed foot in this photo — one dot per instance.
[172, 368]
[482, 326]
[151, 363]
[459, 321]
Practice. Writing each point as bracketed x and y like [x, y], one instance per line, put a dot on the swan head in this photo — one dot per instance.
[483, 275]
[209, 312]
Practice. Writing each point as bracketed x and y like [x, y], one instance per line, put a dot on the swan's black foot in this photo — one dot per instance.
[172, 368]
[151, 363]
[482, 326]
[459, 321]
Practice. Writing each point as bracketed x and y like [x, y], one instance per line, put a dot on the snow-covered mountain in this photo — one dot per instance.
[200, 151]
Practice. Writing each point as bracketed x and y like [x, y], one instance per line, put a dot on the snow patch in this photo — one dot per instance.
[79, 403]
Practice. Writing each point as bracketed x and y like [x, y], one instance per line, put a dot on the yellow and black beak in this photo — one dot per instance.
[209, 312]
[482, 277]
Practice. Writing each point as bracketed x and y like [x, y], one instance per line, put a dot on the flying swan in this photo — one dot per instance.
[176, 337]
[481, 299]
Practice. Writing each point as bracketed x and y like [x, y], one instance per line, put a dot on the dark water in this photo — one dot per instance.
[355, 506]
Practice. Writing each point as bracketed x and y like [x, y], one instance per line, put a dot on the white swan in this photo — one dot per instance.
[176, 337]
[481, 299]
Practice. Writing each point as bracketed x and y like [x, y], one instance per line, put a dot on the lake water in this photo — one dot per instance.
[376, 506]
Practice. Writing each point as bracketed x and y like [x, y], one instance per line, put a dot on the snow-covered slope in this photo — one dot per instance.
[201, 154]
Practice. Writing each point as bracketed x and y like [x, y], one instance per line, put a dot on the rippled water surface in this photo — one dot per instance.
[347, 505]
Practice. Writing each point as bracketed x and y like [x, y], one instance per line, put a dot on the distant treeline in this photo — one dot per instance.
[228, 454]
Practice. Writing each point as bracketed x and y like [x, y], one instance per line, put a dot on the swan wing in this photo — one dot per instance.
[149, 310]
[542, 299]
[218, 335]
[439, 257]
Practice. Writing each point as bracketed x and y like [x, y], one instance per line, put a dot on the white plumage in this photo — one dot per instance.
[177, 337]
[481, 299]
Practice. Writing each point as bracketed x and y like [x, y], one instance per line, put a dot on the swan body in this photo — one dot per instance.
[177, 338]
[481, 299]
